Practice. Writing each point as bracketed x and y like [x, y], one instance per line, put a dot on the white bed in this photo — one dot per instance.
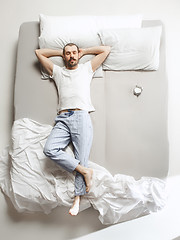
[130, 139]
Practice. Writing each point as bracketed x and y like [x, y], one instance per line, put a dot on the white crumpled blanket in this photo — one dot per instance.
[35, 183]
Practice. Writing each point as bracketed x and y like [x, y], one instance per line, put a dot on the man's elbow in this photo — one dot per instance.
[36, 52]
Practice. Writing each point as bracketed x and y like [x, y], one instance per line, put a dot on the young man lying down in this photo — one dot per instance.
[73, 122]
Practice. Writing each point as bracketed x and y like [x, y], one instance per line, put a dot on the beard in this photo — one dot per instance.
[71, 63]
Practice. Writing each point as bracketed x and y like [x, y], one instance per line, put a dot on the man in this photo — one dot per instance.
[73, 122]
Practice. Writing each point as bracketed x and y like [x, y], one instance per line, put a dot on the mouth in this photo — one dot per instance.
[72, 60]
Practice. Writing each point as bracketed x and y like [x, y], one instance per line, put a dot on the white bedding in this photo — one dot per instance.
[35, 183]
[132, 49]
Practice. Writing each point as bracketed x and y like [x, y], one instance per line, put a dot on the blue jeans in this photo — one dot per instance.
[74, 126]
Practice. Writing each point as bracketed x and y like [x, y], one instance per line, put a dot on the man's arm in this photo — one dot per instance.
[101, 53]
[43, 57]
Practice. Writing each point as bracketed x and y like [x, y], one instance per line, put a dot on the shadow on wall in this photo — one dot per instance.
[12, 93]
[70, 227]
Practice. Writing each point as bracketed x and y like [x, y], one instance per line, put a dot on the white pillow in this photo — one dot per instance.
[132, 49]
[57, 31]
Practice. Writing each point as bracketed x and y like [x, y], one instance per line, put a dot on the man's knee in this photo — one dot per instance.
[47, 150]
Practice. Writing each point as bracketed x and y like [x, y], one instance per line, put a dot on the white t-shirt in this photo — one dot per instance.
[74, 86]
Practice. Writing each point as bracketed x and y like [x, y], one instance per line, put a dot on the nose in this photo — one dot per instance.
[72, 55]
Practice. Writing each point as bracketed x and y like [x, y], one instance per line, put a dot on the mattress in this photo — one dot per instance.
[130, 132]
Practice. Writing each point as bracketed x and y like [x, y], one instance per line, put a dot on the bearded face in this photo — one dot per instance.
[71, 57]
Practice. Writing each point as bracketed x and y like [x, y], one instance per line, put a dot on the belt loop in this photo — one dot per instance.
[71, 112]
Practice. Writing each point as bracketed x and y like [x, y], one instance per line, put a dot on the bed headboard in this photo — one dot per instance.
[130, 133]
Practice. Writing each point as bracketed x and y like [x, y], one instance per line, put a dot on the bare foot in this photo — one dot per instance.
[88, 177]
[75, 207]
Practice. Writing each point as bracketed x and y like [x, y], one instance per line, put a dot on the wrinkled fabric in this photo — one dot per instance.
[35, 183]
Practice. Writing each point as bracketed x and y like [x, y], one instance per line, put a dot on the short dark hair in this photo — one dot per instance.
[69, 44]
